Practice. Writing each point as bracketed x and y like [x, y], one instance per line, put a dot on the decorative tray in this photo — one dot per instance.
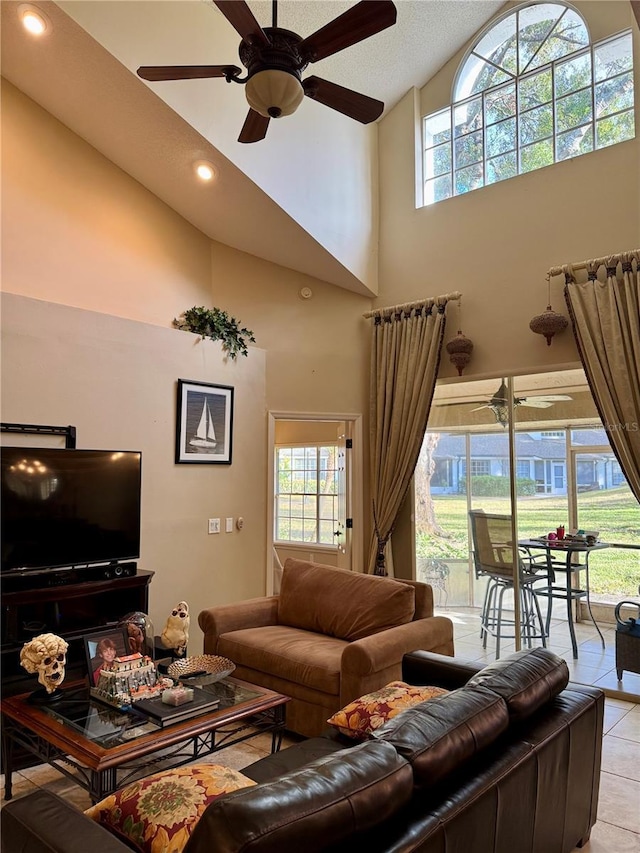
[201, 665]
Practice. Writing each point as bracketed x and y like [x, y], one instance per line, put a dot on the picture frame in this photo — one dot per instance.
[204, 423]
[96, 642]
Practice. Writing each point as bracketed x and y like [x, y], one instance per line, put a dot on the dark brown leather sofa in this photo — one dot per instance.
[507, 762]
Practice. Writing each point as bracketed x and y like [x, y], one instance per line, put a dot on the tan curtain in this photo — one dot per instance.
[405, 354]
[606, 323]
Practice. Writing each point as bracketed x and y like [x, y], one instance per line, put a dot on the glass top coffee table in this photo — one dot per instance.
[102, 748]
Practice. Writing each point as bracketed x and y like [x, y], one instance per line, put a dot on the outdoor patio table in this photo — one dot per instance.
[556, 564]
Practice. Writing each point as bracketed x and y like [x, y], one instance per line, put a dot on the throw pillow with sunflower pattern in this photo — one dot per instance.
[157, 814]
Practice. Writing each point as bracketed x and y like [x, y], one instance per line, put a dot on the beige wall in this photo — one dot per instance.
[115, 381]
[94, 269]
[496, 244]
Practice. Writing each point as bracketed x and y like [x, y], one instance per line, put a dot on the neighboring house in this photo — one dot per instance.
[541, 456]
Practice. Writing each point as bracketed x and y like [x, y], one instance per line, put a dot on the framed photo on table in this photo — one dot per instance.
[204, 424]
[102, 647]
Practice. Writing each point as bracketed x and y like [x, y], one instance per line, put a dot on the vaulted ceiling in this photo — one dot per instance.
[83, 72]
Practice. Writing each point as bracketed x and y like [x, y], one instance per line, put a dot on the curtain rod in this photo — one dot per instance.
[408, 306]
[598, 262]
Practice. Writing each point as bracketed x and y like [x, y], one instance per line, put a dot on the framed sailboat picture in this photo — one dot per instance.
[204, 427]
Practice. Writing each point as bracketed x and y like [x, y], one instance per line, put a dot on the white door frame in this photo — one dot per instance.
[356, 498]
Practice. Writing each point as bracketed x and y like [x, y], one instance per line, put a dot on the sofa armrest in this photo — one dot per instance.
[422, 667]
[373, 661]
[253, 613]
[45, 823]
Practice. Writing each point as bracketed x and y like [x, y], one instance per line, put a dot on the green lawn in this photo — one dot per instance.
[615, 573]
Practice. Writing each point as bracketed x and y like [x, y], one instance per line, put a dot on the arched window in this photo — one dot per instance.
[533, 91]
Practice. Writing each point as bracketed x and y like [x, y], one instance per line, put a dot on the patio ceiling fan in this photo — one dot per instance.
[499, 403]
[275, 59]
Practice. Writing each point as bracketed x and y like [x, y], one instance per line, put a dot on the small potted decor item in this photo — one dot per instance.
[216, 324]
[175, 635]
[46, 654]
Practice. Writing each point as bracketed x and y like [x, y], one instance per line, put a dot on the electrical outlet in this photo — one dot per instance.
[228, 525]
[214, 525]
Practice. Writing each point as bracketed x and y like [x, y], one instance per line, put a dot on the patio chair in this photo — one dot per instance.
[493, 558]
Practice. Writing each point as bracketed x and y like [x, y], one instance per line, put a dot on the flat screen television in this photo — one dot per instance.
[64, 508]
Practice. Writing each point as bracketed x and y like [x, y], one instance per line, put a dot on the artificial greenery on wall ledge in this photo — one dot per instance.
[216, 324]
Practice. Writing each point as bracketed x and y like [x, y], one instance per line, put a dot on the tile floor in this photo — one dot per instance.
[618, 826]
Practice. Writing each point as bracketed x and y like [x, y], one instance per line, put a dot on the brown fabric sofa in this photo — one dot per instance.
[507, 762]
[327, 638]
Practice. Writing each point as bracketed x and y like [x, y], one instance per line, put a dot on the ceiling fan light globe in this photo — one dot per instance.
[274, 93]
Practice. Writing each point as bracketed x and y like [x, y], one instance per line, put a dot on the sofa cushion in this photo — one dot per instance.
[158, 813]
[526, 680]
[340, 603]
[437, 737]
[311, 809]
[364, 715]
[300, 657]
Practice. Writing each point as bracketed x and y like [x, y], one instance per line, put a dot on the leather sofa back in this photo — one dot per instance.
[314, 808]
[438, 736]
[526, 680]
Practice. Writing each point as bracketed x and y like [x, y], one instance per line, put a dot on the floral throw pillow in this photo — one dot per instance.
[363, 716]
[158, 813]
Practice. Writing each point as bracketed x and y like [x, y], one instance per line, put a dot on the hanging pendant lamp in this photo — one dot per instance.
[549, 323]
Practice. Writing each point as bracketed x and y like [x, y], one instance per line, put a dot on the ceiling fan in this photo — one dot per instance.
[275, 59]
[499, 403]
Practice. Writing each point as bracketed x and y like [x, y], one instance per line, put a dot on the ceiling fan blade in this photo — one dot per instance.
[535, 404]
[254, 128]
[486, 406]
[549, 398]
[242, 20]
[356, 24]
[359, 107]
[186, 72]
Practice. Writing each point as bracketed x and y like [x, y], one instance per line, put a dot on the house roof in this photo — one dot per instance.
[528, 445]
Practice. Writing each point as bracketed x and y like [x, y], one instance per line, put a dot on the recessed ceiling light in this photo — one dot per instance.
[205, 171]
[33, 20]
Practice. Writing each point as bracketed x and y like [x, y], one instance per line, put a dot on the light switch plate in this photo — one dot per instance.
[214, 525]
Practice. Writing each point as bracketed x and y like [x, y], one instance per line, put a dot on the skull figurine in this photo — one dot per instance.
[46, 654]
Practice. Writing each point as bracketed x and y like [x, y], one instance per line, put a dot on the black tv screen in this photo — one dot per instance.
[69, 507]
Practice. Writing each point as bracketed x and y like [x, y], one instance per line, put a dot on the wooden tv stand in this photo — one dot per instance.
[69, 609]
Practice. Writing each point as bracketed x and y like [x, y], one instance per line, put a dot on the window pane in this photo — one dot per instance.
[575, 142]
[477, 75]
[568, 35]
[500, 103]
[614, 95]
[467, 117]
[469, 179]
[499, 168]
[534, 24]
[326, 533]
[309, 505]
[573, 110]
[612, 57]
[536, 156]
[438, 189]
[437, 128]
[615, 129]
[499, 44]
[283, 529]
[536, 124]
[501, 137]
[574, 74]
[309, 530]
[437, 161]
[327, 504]
[469, 149]
[535, 89]
[284, 505]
